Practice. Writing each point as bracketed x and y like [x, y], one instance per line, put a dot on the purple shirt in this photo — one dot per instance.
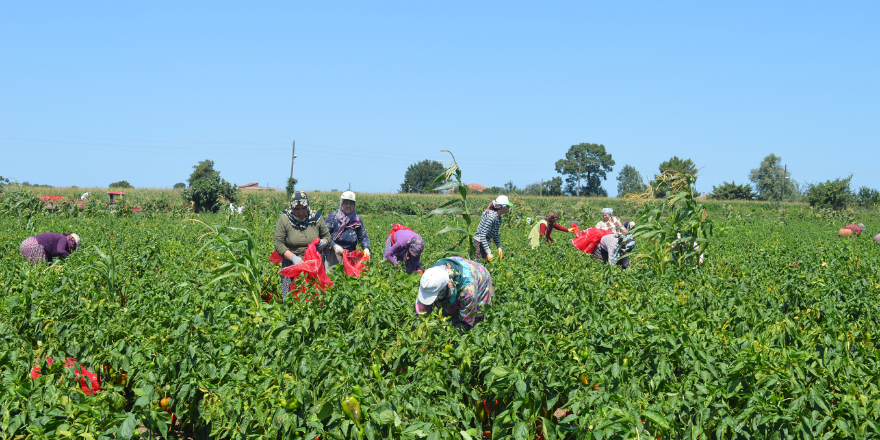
[54, 244]
[398, 250]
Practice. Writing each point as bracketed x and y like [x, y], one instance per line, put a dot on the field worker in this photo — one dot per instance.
[609, 222]
[346, 231]
[461, 287]
[856, 229]
[404, 245]
[489, 228]
[47, 246]
[613, 249]
[543, 228]
[296, 228]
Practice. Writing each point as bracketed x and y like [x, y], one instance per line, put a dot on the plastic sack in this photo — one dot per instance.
[573, 227]
[395, 228]
[313, 267]
[586, 241]
[80, 375]
[354, 262]
[275, 258]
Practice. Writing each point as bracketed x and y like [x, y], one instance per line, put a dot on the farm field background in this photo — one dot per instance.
[773, 337]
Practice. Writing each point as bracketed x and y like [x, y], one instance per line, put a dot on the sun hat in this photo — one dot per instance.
[433, 281]
[348, 195]
[76, 239]
[502, 201]
[608, 211]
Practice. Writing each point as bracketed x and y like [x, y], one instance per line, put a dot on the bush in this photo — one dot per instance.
[732, 191]
[291, 187]
[179, 185]
[830, 194]
[210, 193]
[868, 197]
[121, 184]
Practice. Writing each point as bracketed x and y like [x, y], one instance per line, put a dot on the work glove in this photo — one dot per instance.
[321, 245]
[295, 260]
[338, 249]
[367, 253]
[500, 254]
[490, 257]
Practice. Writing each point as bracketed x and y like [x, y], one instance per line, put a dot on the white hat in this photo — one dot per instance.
[433, 281]
[348, 195]
[75, 239]
[503, 201]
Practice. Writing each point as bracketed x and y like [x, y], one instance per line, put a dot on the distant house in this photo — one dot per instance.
[477, 187]
[254, 186]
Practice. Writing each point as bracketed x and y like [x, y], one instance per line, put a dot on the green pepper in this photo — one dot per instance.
[376, 372]
[357, 391]
[352, 408]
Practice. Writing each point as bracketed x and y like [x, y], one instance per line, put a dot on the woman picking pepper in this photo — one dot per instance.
[296, 228]
[460, 287]
[543, 228]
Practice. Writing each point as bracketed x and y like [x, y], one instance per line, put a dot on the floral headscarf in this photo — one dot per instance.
[413, 255]
[300, 198]
[608, 211]
[350, 221]
[552, 217]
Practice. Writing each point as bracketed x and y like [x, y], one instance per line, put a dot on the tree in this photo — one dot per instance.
[868, 197]
[832, 194]
[291, 186]
[510, 187]
[769, 178]
[121, 184]
[179, 185]
[419, 176]
[585, 165]
[553, 187]
[204, 169]
[532, 189]
[209, 191]
[675, 165]
[630, 182]
[732, 191]
[4, 180]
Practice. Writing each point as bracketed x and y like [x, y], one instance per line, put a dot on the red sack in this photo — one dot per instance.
[586, 241]
[80, 373]
[574, 228]
[395, 228]
[354, 262]
[313, 267]
[275, 258]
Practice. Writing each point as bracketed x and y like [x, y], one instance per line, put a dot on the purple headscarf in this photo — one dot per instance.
[350, 221]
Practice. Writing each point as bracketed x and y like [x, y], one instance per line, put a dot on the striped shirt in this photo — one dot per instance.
[490, 225]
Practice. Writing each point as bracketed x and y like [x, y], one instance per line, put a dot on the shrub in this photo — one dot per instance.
[210, 193]
[179, 185]
[732, 191]
[121, 184]
[832, 194]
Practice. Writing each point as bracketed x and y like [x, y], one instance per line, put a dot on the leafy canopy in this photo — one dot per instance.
[732, 191]
[868, 197]
[832, 194]
[674, 165]
[768, 179]
[179, 185]
[121, 184]
[204, 169]
[630, 182]
[209, 192]
[291, 186]
[420, 176]
[587, 165]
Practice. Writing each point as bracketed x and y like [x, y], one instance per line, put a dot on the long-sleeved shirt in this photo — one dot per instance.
[398, 250]
[54, 244]
[350, 237]
[613, 225]
[471, 290]
[489, 227]
[288, 238]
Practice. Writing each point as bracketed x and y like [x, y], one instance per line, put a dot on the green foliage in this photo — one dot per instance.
[4, 180]
[121, 184]
[210, 193]
[458, 206]
[179, 185]
[585, 164]
[769, 177]
[868, 197]
[630, 182]
[291, 187]
[553, 187]
[420, 175]
[674, 165]
[201, 170]
[831, 194]
[732, 191]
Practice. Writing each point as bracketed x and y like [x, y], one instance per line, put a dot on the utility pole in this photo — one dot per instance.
[292, 157]
[784, 176]
[579, 179]
[542, 188]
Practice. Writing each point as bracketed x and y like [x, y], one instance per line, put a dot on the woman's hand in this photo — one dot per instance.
[322, 244]
[367, 253]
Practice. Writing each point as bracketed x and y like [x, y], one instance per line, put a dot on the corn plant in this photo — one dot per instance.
[455, 206]
[105, 268]
[239, 256]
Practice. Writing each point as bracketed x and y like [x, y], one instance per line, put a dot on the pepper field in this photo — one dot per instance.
[774, 336]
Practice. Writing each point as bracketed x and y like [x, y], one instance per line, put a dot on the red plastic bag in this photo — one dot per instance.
[354, 262]
[586, 241]
[395, 228]
[574, 228]
[275, 258]
[80, 374]
[313, 267]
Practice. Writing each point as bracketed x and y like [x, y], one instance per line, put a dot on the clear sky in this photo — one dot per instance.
[95, 92]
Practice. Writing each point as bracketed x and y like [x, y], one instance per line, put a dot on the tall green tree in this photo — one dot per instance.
[587, 164]
[203, 169]
[630, 182]
[732, 191]
[676, 165]
[420, 176]
[868, 197]
[769, 179]
[832, 194]
[121, 184]
[553, 187]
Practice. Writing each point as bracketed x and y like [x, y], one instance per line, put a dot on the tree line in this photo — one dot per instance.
[586, 165]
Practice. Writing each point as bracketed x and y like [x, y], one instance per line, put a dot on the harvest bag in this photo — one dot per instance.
[586, 241]
[313, 267]
[354, 262]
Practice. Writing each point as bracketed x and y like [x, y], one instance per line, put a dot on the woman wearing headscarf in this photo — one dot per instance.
[461, 287]
[297, 227]
[346, 231]
[404, 245]
[614, 249]
[490, 228]
[543, 229]
[609, 222]
[47, 246]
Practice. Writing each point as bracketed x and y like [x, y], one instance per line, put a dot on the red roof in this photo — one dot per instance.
[477, 187]
[52, 197]
[252, 184]
[118, 193]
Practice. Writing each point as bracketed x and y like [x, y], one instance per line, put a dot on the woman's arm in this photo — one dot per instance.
[394, 250]
[559, 227]
[362, 236]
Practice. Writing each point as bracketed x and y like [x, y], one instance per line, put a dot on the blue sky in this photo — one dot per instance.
[96, 92]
